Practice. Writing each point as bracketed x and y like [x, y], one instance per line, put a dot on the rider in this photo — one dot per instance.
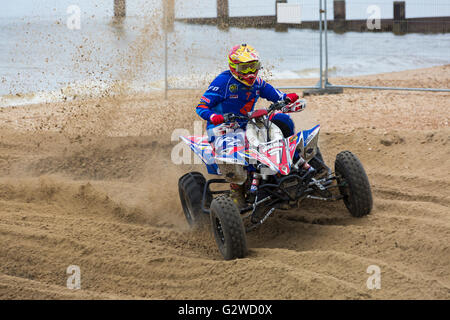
[237, 91]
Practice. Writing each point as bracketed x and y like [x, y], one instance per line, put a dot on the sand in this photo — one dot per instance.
[91, 183]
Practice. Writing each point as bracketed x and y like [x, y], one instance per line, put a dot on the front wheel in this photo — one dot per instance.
[353, 184]
[228, 228]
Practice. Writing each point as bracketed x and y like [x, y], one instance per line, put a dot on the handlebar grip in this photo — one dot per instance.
[230, 117]
[277, 106]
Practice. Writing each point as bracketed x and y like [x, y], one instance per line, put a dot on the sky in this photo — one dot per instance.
[356, 9]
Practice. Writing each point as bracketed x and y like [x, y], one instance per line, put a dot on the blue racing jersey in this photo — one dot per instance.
[228, 95]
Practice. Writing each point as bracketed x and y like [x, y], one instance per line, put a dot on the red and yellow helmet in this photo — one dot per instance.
[244, 64]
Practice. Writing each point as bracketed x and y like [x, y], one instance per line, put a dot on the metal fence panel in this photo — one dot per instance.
[384, 44]
[374, 40]
[198, 46]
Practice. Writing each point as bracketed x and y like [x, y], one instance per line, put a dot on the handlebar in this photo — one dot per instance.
[277, 106]
[280, 105]
[231, 117]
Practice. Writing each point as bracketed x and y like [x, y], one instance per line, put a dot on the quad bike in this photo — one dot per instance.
[283, 168]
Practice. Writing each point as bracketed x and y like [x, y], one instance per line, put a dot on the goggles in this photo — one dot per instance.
[250, 67]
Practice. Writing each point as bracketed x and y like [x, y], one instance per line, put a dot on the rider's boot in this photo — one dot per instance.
[238, 195]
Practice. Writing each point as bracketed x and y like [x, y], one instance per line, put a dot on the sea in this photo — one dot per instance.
[54, 50]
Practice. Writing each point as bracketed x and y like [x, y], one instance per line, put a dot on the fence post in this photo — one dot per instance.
[400, 24]
[279, 27]
[339, 24]
[168, 26]
[169, 15]
[320, 84]
[323, 86]
[120, 8]
[326, 42]
[223, 14]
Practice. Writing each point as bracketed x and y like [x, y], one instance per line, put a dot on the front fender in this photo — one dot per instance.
[311, 142]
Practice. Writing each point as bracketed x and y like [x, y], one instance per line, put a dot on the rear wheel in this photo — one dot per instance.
[228, 228]
[354, 184]
[190, 188]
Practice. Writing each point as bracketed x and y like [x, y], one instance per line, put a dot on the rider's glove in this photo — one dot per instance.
[216, 119]
[292, 97]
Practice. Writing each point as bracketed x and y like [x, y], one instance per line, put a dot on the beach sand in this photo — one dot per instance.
[91, 183]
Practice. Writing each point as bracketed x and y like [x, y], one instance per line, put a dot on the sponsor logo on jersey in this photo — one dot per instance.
[205, 99]
[233, 88]
[234, 96]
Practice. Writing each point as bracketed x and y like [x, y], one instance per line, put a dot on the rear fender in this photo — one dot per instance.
[202, 148]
